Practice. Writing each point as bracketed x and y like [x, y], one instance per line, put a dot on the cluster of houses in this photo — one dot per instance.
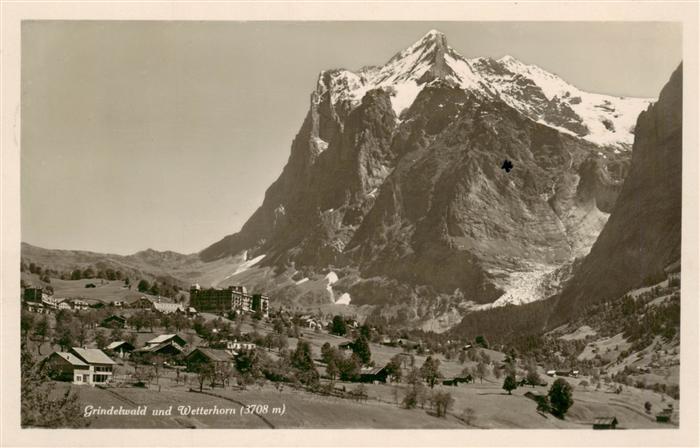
[37, 301]
[93, 366]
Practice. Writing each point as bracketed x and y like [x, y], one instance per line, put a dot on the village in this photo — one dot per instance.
[228, 345]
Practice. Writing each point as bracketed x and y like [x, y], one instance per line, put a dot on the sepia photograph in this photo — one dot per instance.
[309, 224]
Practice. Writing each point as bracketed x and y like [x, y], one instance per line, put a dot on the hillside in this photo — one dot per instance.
[643, 233]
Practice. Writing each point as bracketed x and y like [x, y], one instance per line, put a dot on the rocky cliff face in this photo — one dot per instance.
[643, 234]
[394, 181]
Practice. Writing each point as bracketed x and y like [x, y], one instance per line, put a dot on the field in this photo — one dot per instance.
[490, 406]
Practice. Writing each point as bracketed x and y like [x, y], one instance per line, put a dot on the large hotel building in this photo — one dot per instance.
[233, 298]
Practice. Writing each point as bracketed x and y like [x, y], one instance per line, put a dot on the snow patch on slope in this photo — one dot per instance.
[247, 265]
[609, 119]
[521, 287]
[344, 299]
[331, 277]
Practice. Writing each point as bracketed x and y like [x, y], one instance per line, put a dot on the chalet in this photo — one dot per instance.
[81, 366]
[311, 323]
[346, 346]
[605, 423]
[65, 366]
[118, 304]
[466, 347]
[63, 304]
[239, 346]
[373, 375]
[463, 379]
[114, 321]
[36, 307]
[79, 305]
[165, 344]
[201, 355]
[564, 372]
[407, 344]
[120, 348]
[168, 308]
[50, 302]
[673, 273]
[142, 303]
[191, 311]
[386, 340]
[663, 417]
[101, 365]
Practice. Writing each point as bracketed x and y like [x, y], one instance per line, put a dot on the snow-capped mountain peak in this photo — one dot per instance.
[540, 95]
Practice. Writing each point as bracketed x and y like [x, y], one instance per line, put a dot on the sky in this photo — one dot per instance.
[166, 135]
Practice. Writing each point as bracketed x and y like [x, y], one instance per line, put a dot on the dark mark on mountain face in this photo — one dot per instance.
[507, 165]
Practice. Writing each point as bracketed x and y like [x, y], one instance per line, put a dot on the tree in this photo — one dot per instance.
[647, 407]
[76, 275]
[328, 352]
[496, 372]
[532, 376]
[560, 397]
[481, 371]
[100, 339]
[26, 323]
[442, 401]
[204, 371]
[361, 348]
[393, 368]
[509, 384]
[332, 370]
[304, 364]
[349, 367]
[40, 405]
[338, 326]
[430, 371]
[462, 357]
[480, 340]
[42, 330]
[144, 286]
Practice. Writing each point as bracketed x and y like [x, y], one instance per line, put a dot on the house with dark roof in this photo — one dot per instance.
[142, 302]
[165, 344]
[81, 366]
[120, 348]
[114, 321]
[605, 423]
[373, 375]
[201, 355]
[64, 366]
[168, 308]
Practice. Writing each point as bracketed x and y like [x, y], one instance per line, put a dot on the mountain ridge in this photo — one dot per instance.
[393, 180]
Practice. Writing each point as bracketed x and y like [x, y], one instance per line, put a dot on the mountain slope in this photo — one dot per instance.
[643, 233]
[393, 181]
